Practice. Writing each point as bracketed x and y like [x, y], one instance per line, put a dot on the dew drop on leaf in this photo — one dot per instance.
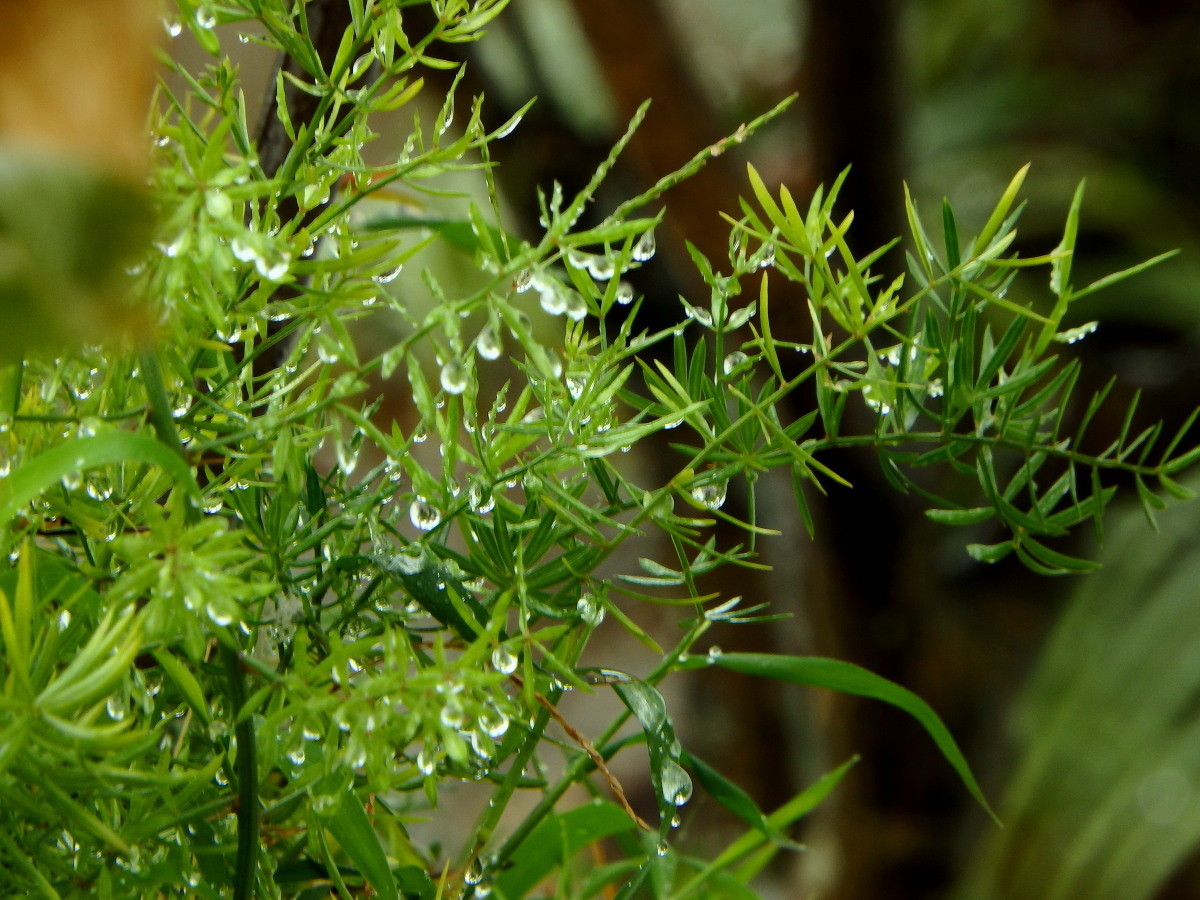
[575, 307]
[590, 610]
[494, 723]
[480, 498]
[389, 276]
[504, 661]
[488, 343]
[711, 495]
[734, 361]
[601, 267]
[454, 377]
[676, 784]
[424, 515]
[645, 247]
[115, 707]
[552, 299]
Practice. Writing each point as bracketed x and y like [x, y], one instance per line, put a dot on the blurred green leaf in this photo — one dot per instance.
[66, 236]
[558, 838]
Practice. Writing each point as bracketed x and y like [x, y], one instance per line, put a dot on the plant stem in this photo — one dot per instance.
[247, 781]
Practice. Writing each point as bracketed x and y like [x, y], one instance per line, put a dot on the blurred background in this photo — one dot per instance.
[1078, 701]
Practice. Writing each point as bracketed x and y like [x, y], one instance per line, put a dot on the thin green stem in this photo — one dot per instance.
[246, 768]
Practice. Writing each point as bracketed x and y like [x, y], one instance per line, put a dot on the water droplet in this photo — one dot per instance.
[424, 515]
[63, 620]
[740, 317]
[296, 756]
[714, 653]
[508, 127]
[645, 247]
[347, 457]
[504, 660]
[488, 343]
[676, 821]
[734, 361]
[217, 617]
[935, 388]
[711, 495]
[575, 385]
[696, 313]
[273, 271]
[578, 258]
[590, 610]
[575, 306]
[662, 848]
[389, 276]
[452, 716]
[480, 497]
[474, 873]
[676, 783]
[426, 761]
[624, 294]
[601, 267]
[174, 248]
[172, 27]
[523, 281]
[553, 300]
[205, 19]
[494, 723]
[454, 377]
[115, 707]
[419, 436]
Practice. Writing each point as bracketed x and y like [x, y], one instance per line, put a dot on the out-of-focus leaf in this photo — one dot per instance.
[555, 841]
[67, 233]
[1103, 802]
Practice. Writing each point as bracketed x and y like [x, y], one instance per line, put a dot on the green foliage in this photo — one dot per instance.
[258, 621]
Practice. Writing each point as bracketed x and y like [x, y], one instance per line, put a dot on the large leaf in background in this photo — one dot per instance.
[815, 671]
[1105, 799]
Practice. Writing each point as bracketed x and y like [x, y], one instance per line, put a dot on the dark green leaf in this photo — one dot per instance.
[851, 679]
[351, 827]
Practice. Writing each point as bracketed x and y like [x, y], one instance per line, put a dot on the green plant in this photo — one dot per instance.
[252, 627]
